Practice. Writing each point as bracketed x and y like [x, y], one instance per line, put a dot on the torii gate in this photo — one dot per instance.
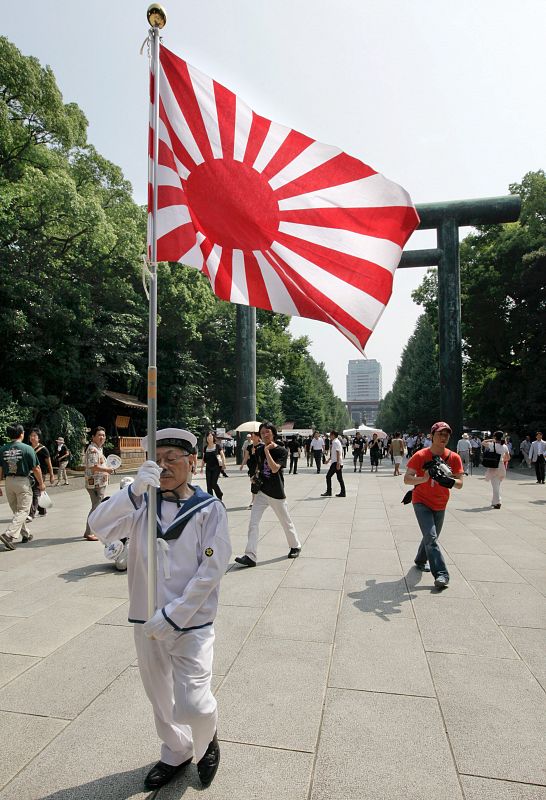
[447, 217]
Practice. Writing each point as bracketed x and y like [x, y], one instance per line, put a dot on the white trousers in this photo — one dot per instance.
[280, 507]
[495, 485]
[176, 673]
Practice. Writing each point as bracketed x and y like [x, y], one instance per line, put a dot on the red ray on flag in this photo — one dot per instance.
[274, 218]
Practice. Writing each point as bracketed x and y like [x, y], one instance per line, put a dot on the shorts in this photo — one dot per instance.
[398, 459]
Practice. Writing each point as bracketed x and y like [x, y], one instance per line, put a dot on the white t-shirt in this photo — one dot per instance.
[335, 448]
[317, 444]
[463, 446]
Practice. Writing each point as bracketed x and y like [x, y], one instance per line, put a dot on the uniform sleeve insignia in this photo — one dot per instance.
[209, 551]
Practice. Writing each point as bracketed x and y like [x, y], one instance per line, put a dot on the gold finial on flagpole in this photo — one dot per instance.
[157, 16]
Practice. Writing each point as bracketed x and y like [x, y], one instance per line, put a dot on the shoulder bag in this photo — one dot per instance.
[491, 458]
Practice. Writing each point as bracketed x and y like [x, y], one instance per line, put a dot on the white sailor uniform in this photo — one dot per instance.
[193, 551]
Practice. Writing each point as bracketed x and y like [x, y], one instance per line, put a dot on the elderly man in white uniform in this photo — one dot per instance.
[174, 647]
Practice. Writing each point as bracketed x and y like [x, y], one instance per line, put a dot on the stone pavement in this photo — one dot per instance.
[342, 674]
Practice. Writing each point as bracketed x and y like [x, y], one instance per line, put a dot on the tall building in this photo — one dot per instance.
[364, 390]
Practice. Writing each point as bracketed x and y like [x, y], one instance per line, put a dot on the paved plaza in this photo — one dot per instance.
[342, 674]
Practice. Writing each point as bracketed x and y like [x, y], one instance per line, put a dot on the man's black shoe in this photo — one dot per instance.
[441, 582]
[423, 566]
[26, 537]
[207, 767]
[294, 552]
[326, 494]
[341, 494]
[245, 561]
[162, 773]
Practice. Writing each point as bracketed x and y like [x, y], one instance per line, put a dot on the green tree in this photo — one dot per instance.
[503, 298]
[413, 403]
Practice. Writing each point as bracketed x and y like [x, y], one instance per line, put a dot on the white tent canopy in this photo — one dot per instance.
[365, 431]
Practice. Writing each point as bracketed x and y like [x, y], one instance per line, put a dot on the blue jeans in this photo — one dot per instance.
[430, 523]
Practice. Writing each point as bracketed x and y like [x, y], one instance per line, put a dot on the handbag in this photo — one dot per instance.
[491, 458]
[256, 483]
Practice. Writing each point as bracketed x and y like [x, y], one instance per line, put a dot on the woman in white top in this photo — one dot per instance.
[498, 474]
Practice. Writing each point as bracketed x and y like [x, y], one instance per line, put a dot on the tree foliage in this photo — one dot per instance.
[503, 299]
[413, 403]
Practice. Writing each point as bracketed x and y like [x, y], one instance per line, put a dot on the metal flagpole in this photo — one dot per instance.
[157, 19]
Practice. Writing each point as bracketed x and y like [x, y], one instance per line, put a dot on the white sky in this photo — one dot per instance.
[445, 98]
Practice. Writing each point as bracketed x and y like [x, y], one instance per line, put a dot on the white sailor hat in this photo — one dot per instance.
[173, 437]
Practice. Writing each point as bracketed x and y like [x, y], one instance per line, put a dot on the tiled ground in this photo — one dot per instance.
[342, 674]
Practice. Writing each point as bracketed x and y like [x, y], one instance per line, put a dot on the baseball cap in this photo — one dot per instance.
[440, 426]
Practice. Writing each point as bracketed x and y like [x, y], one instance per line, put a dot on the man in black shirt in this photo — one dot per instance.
[358, 450]
[294, 447]
[269, 491]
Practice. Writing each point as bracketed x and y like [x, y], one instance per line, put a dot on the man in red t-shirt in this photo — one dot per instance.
[433, 471]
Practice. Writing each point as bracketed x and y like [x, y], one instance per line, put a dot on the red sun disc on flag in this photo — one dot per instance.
[232, 205]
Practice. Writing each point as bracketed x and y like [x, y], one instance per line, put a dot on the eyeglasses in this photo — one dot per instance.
[169, 460]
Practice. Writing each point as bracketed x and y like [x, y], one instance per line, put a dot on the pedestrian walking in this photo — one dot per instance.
[464, 449]
[294, 448]
[175, 646]
[537, 452]
[397, 452]
[44, 459]
[62, 456]
[375, 450]
[213, 462]
[336, 466]
[18, 462]
[476, 450]
[496, 475]
[525, 448]
[359, 446]
[433, 471]
[97, 474]
[317, 449]
[268, 488]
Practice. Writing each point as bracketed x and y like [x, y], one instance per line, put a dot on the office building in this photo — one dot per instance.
[364, 390]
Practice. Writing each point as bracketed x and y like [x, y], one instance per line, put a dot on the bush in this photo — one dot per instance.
[11, 412]
[65, 421]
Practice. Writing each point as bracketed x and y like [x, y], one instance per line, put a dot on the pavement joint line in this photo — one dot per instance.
[472, 655]
[382, 691]
[330, 660]
[433, 683]
[32, 715]
[502, 780]
[266, 746]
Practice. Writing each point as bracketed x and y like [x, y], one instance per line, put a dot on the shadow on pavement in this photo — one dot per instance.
[38, 541]
[90, 571]
[471, 510]
[383, 599]
[118, 786]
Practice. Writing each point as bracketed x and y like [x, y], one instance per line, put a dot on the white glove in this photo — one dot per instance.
[157, 627]
[147, 475]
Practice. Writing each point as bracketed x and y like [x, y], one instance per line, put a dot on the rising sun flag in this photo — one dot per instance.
[273, 218]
